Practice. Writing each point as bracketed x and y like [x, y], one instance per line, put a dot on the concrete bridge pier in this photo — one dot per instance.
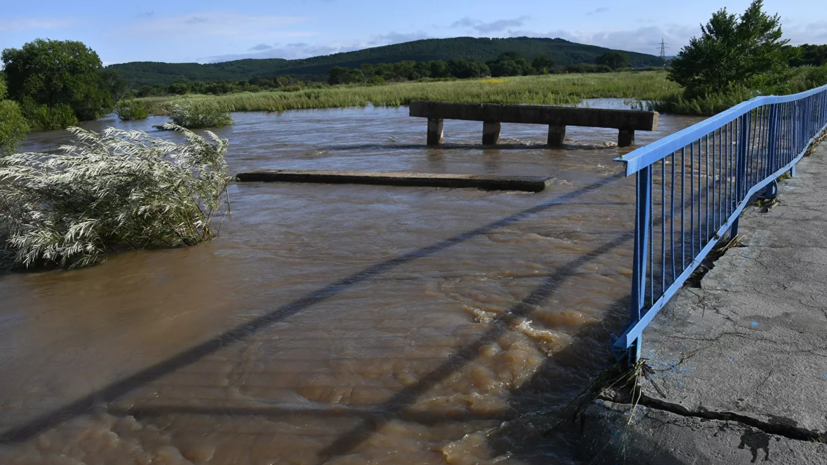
[490, 132]
[556, 118]
[435, 131]
[626, 137]
[556, 135]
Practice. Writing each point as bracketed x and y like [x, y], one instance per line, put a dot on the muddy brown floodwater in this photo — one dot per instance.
[335, 324]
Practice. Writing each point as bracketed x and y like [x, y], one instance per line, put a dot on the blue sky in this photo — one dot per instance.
[208, 31]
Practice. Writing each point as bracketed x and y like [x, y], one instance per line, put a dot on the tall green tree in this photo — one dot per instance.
[510, 64]
[114, 82]
[55, 73]
[746, 50]
[613, 59]
[542, 63]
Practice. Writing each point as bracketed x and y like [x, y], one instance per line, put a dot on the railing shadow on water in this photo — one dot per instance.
[710, 170]
[244, 331]
[587, 345]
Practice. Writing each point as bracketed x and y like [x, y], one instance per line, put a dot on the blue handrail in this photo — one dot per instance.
[693, 185]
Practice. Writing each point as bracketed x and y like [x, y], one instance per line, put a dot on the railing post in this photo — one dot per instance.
[740, 169]
[643, 216]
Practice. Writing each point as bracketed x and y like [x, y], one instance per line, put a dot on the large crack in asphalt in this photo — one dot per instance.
[776, 426]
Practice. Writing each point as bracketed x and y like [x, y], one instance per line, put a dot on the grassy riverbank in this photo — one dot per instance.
[549, 89]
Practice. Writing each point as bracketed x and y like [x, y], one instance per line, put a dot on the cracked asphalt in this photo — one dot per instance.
[740, 364]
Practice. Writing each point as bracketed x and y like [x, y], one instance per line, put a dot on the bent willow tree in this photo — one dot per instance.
[107, 192]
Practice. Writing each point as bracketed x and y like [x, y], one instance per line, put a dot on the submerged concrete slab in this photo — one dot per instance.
[507, 183]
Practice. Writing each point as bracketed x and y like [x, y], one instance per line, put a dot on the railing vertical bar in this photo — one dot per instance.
[788, 150]
[706, 192]
[692, 197]
[672, 219]
[651, 241]
[700, 197]
[721, 215]
[759, 138]
[729, 165]
[714, 207]
[683, 209]
[641, 243]
[750, 147]
[662, 226]
[772, 142]
[769, 140]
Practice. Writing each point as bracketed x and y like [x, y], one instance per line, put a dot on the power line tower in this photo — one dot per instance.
[663, 49]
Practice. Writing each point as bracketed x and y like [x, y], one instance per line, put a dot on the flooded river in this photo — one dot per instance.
[337, 324]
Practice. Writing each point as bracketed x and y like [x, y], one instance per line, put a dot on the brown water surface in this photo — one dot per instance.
[336, 324]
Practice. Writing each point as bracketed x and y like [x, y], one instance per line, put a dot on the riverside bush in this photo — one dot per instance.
[13, 127]
[47, 118]
[107, 192]
[130, 110]
[199, 114]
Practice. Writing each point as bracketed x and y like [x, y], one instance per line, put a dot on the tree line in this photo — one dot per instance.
[506, 64]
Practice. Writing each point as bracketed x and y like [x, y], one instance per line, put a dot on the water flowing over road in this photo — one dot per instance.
[336, 324]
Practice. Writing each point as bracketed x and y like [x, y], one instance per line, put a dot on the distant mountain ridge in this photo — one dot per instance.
[563, 53]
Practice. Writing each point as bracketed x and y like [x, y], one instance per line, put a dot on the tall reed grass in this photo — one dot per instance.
[549, 89]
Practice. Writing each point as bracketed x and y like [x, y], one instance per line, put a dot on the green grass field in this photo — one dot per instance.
[558, 89]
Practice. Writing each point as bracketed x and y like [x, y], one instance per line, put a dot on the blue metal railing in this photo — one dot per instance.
[693, 185]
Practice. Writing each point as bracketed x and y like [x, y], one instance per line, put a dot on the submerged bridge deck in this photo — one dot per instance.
[557, 118]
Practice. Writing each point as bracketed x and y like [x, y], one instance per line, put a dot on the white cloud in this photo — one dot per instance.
[26, 24]
[644, 40]
[395, 38]
[215, 24]
[305, 50]
[289, 51]
[597, 11]
[260, 47]
[490, 27]
[811, 33]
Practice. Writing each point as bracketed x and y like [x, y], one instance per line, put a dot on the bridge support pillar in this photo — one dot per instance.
[556, 135]
[490, 132]
[435, 131]
[626, 137]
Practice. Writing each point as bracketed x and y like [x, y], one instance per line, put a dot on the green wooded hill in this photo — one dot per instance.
[561, 51]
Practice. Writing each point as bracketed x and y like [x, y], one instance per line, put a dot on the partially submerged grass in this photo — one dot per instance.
[562, 89]
[131, 110]
[197, 114]
[707, 105]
